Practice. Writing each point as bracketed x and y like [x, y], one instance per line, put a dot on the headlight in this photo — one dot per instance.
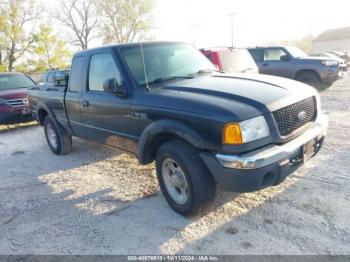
[330, 63]
[246, 131]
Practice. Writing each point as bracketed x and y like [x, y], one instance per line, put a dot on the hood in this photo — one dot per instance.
[14, 93]
[244, 95]
[321, 58]
[338, 59]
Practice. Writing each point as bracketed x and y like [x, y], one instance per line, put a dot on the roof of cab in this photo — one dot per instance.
[112, 46]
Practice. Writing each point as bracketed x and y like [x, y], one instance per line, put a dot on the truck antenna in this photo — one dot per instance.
[144, 67]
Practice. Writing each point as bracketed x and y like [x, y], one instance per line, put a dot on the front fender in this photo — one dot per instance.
[167, 127]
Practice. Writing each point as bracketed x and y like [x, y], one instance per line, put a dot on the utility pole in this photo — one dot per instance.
[232, 21]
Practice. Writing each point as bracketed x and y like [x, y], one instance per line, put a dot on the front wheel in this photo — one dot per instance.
[310, 78]
[185, 181]
[59, 143]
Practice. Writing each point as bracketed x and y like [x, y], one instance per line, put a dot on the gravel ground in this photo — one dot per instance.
[100, 201]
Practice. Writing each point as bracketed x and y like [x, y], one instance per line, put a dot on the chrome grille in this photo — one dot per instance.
[295, 116]
[17, 102]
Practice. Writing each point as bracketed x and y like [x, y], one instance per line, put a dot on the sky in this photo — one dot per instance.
[207, 23]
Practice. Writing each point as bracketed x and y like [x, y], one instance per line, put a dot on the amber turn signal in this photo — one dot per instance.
[232, 134]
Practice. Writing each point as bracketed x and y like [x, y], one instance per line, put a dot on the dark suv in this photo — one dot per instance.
[291, 62]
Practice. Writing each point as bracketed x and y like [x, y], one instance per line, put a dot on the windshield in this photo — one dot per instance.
[164, 61]
[296, 52]
[238, 61]
[15, 81]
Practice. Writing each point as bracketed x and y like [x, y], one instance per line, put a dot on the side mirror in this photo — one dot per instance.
[60, 80]
[111, 86]
[285, 58]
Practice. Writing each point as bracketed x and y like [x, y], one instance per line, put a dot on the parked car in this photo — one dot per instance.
[342, 55]
[14, 105]
[47, 78]
[343, 67]
[164, 102]
[293, 63]
[231, 60]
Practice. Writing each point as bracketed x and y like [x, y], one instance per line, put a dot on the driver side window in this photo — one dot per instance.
[274, 54]
[102, 68]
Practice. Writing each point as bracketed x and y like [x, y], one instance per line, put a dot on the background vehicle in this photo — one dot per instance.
[293, 63]
[231, 60]
[342, 63]
[47, 78]
[163, 102]
[14, 105]
[342, 55]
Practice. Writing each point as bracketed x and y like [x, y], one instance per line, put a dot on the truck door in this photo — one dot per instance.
[73, 95]
[106, 116]
[276, 62]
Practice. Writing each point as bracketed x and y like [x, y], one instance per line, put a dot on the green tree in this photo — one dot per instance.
[124, 21]
[49, 51]
[17, 28]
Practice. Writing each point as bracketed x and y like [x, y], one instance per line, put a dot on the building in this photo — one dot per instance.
[332, 40]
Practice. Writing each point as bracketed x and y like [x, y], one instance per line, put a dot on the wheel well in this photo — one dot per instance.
[306, 71]
[42, 113]
[154, 144]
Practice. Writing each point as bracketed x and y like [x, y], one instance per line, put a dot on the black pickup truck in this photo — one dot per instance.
[164, 102]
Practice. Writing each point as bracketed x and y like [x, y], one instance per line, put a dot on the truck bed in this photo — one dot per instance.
[52, 97]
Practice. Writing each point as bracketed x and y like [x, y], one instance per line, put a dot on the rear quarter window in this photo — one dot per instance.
[257, 54]
[50, 77]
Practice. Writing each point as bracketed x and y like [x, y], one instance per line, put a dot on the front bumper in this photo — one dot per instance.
[16, 116]
[267, 166]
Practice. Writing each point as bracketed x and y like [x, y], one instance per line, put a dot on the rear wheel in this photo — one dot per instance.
[184, 179]
[59, 143]
[310, 78]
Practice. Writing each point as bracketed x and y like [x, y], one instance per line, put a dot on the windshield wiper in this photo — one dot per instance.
[247, 69]
[168, 78]
[204, 71]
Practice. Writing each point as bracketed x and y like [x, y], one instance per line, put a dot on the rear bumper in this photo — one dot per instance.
[264, 167]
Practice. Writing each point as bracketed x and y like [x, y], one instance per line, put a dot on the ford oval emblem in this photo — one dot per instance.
[302, 115]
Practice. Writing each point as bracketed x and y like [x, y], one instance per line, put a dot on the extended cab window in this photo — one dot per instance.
[75, 74]
[102, 68]
[274, 54]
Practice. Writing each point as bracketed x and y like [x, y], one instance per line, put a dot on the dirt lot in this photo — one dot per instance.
[99, 201]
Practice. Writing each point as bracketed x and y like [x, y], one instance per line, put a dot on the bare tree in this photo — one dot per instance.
[125, 20]
[81, 18]
[16, 17]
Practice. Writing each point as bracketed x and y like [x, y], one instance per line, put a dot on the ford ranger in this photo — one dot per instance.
[164, 102]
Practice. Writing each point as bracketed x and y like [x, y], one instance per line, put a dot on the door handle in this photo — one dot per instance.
[85, 103]
[265, 64]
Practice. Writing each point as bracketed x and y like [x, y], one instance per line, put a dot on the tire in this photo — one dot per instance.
[310, 78]
[201, 187]
[63, 143]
